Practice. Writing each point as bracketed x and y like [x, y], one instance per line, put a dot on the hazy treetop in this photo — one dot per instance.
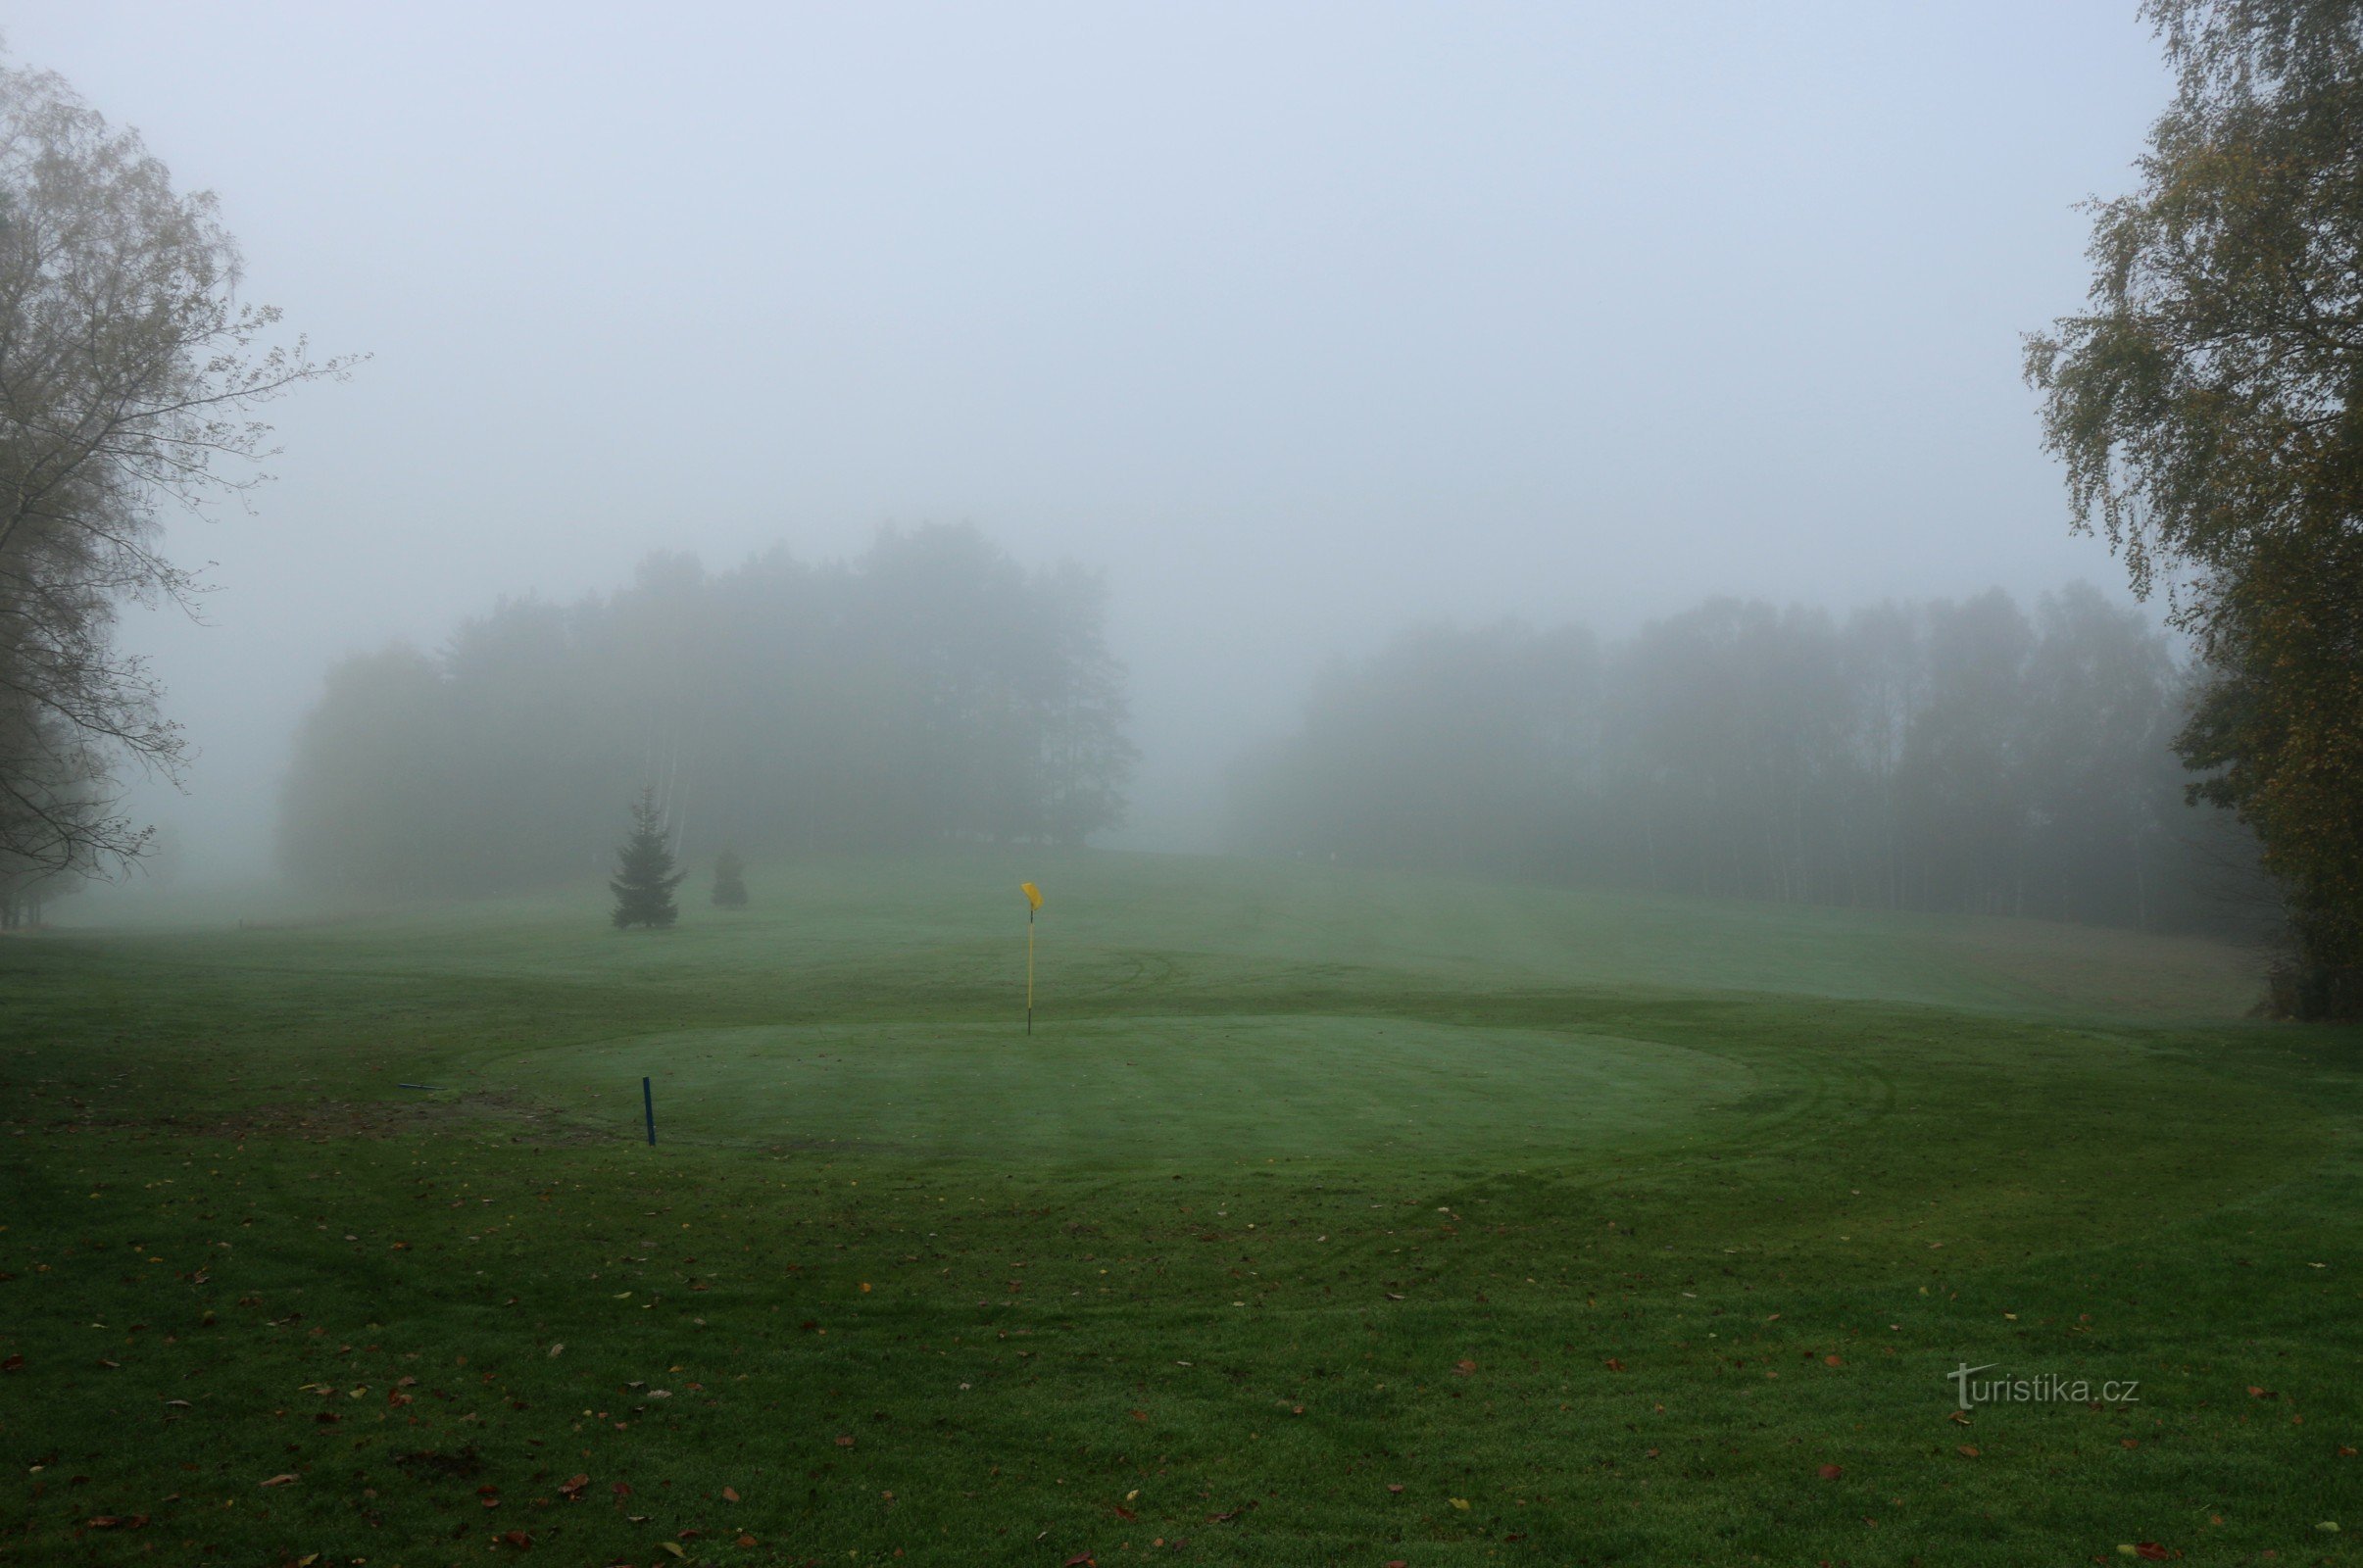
[1301, 320]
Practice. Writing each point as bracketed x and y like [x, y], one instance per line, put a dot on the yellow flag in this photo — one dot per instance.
[1033, 895]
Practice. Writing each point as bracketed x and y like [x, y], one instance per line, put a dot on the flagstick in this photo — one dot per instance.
[1033, 902]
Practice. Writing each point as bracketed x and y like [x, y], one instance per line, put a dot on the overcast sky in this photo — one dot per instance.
[1303, 320]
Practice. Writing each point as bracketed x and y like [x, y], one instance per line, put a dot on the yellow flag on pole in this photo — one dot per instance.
[1033, 895]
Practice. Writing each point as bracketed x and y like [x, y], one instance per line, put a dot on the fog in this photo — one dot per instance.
[1302, 325]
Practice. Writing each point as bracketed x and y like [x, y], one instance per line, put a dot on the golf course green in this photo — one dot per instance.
[1323, 1217]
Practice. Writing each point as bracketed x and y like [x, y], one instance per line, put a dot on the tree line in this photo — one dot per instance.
[1946, 756]
[932, 690]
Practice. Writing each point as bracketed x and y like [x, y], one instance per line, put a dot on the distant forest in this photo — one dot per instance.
[930, 691]
[1944, 757]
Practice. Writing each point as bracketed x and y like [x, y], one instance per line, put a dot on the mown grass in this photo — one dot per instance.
[1325, 1219]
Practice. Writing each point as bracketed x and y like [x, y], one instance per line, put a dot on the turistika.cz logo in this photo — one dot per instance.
[2044, 1388]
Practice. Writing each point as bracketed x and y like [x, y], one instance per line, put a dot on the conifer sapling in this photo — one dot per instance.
[644, 877]
[730, 880]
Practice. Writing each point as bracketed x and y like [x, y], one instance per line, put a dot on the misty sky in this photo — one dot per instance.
[1303, 320]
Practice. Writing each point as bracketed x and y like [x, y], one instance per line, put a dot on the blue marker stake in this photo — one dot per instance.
[647, 1103]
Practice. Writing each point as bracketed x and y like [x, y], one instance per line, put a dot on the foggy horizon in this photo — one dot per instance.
[1054, 783]
[1303, 328]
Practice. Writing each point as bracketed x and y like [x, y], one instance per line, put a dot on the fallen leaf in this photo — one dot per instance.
[845, 1441]
[279, 1481]
[1830, 1472]
[1968, 1450]
[1616, 1365]
[1460, 1503]
[729, 1494]
[519, 1539]
[2151, 1551]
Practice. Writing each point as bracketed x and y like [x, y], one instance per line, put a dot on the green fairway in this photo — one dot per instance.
[1325, 1217]
[1130, 1093]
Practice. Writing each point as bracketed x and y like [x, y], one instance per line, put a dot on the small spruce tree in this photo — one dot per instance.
[730, 880]
[644, 877]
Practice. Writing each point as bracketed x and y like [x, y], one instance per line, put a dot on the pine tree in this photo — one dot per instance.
[730, 881]
[644, 877]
